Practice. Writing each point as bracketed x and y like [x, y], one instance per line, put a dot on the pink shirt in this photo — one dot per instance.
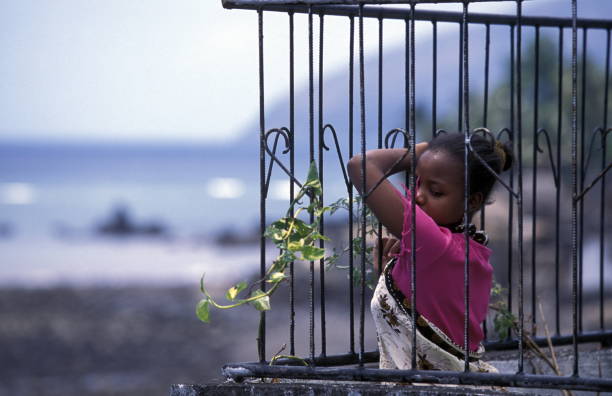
[440, 258]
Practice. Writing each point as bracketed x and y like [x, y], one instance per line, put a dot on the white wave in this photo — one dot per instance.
[17, 194]
[279, 189]
[225, 188]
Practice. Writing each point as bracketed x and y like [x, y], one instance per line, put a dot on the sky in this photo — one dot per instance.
[151, 70]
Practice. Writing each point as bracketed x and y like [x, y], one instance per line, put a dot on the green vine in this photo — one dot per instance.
[503, 321]
[370, 234]
[295, 240]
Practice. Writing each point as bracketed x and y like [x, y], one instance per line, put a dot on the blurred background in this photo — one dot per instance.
[129, 144]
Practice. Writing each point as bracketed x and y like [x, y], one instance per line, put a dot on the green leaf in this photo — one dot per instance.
[321, 211]
[331, 260]
[278, 264]
[300, 230]
[342, 203]
[313, 173]
[262, 303]
[277, 277]
[313, 253]
[286, 257]
[233, 292]
[203, 310]
[313, 183]
[277, 231]
[295, 246]
[316, 235]
[503, 323]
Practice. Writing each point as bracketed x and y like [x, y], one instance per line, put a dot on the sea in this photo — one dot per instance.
[112, 214]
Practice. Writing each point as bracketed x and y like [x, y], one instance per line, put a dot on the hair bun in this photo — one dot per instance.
[505, 155]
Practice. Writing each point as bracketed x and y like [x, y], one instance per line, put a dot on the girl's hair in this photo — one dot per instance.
[497, 155]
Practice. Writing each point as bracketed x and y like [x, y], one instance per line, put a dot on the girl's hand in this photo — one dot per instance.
[385, 200]
[390, 248]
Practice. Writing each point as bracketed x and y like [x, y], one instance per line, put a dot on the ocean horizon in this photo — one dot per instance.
[60, 202]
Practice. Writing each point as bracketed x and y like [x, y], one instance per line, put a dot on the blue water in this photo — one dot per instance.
[77, 186]
[53, 197]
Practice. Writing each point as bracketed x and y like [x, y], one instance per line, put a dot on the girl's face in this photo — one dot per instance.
[440, 187]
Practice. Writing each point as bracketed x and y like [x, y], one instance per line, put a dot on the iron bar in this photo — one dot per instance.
[311, 159]
[292, 169]
[350, 189]
[602, 206]
[434, 79]
[574, 184]
[510, 196]
[423, 15]
[465, 86]
[261, 336]
[373, 356]
[413, 159]
[315, 2]
[534, 180]
[581, 178]
[558, 187]
[363, 183]
[240, 371]
[519, 201]
[485, 112]
[322, 221]
[460, 79]
[380, 129]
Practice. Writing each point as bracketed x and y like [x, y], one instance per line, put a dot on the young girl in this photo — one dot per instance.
[440, 251]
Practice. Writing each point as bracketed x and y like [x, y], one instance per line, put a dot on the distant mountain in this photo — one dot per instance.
[336, 85]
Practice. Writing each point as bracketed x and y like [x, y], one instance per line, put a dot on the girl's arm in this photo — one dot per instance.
[385, 200]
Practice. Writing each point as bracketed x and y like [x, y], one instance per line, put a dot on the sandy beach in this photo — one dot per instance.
[106, 341]
[137, 340]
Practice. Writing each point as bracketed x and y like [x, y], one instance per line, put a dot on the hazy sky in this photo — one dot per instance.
[157, 70]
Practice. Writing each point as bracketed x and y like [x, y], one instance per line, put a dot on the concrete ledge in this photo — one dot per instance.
[594, 362]
[327, 389]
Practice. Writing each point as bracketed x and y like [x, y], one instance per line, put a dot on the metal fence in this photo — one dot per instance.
[573, 179]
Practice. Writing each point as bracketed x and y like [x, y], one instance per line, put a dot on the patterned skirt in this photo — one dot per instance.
[434, 349]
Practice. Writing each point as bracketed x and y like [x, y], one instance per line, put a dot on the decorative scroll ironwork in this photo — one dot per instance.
[604, 135]
[544, 132]
[338, 151]
[392, 134]
[284, 132]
